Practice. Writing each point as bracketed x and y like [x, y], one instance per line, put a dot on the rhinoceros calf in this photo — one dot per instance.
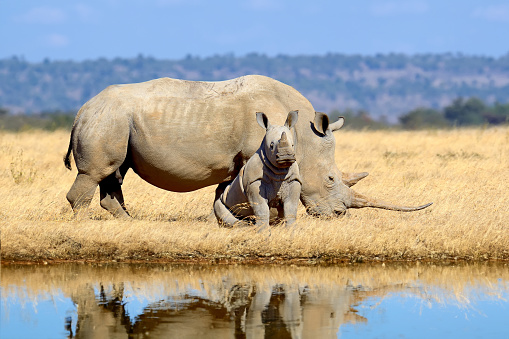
[269, 179]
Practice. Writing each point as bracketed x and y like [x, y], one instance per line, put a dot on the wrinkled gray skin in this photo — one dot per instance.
[185, 135]
[270, 179]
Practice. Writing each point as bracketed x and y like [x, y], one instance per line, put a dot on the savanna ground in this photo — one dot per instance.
[464, 172]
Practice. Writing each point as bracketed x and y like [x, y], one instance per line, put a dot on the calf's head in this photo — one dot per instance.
[278, 144]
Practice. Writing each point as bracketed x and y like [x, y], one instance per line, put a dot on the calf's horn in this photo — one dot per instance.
[360, 201]
[283, 142]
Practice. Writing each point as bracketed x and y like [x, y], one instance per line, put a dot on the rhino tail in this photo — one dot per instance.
[361, 201]
[67, 157]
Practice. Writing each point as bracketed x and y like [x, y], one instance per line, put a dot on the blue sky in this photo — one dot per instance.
[172, 29]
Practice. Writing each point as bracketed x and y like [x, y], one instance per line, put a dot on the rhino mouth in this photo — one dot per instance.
[339, 213]
[285, 160]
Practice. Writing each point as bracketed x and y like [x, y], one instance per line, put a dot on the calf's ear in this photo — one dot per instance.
[292, 118]
[262, 119]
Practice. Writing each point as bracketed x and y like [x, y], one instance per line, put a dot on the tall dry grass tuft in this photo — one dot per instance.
[464, 172]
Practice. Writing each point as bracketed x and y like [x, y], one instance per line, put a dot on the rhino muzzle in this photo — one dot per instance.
[285, 155]
[285, 159]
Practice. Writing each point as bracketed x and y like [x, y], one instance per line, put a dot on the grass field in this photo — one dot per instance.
[464, 172]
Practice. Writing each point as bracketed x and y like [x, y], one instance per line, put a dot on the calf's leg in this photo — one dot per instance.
[224, 215]
[291, 203]
[260, 206]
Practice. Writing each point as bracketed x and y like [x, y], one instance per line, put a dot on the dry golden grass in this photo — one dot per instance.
[464, 172]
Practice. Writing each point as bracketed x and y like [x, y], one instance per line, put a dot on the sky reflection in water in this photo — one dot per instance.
[406, 316]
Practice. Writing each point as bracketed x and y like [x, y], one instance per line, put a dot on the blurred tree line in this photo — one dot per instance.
[462, 112]
[49, 121]
[358, 119]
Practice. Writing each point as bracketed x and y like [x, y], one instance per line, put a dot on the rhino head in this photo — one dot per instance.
[325, 189]
[278, 144]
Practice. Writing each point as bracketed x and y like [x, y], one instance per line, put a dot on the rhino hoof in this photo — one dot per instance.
[263, 229]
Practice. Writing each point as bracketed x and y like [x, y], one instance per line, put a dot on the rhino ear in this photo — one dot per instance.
[262, 119]
[337, 125]
[292, 118]
[321, 122]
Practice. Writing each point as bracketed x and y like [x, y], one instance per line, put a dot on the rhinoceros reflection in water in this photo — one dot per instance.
[282, 311]
[170, 300]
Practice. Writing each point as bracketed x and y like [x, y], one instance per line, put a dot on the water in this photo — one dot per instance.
[278, 301]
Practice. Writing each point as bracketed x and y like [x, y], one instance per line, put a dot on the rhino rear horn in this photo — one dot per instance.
[361, 201]
[350, 179]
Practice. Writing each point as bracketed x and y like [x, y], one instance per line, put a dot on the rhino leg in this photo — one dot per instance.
[105, 167]
[260, 207]
[291, 203]
[224, 215]
[112, 198]
[81, 193]
[219, 191]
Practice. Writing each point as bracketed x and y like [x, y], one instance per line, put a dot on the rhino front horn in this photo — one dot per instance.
[283, 142]
[360, 201]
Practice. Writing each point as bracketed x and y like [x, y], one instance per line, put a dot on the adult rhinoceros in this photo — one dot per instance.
[184, 135]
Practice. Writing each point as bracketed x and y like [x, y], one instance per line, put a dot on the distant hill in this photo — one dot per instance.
[384, 85]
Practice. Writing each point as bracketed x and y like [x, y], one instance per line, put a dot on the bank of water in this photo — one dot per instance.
[265, 301]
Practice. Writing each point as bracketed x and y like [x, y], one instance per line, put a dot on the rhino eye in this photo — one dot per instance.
[272, 145]
[331, 178]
